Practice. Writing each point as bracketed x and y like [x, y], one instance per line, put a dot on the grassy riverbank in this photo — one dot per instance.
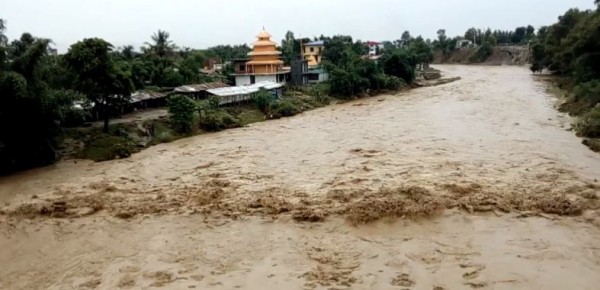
[579, 102]
[125, 139]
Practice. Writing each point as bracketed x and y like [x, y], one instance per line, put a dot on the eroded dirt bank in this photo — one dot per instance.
[217, 210]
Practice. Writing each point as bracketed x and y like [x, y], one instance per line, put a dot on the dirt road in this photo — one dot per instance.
[484, 156]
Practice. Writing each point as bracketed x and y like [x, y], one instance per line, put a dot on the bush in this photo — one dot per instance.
[379, 81]
[584, 97]
[589, 124]
[400, 65]
[263, 100]
[107, 147]
[213, 102]
[218, 120]
[161, 132]
[182, 110]
[482, 53]
[321, 100]
[285, 108]
[394, 83]
[319, 90]
[347, 83]
[588, 93]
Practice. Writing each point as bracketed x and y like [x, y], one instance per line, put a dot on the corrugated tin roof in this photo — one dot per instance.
[146, 95]
[317, 71]
[199, 87]
[316, 43]
[244, 90]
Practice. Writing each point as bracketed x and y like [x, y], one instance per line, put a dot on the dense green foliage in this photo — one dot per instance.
[483, 52]
[571, 48]
[217, 120]
[263, 100]
[105, 82]
[290, 47]
[285, 108]
[182, 110]
[41, 93]
[103, 147]
[589, 123]
[351, 73]
[32, 105]
[401, 65]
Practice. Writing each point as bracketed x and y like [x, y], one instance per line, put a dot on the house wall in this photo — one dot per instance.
[272, 78]
[318, 78]
[299, 68]
[323, 77]
[262, 69]
[242, 80]
[374, 47]
[239, 67]
[314, 57]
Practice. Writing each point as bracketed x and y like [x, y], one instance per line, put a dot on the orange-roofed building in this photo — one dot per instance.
[264, 63]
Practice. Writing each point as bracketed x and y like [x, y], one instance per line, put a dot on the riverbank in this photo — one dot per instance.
[141, 130]
[131, 134]
[499, 55]
[576, 102]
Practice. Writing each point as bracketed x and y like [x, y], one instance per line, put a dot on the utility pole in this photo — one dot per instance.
[301, 48]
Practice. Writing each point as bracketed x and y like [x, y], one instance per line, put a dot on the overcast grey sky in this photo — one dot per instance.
[204, 23]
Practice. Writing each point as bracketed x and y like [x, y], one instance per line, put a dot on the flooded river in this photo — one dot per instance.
[491, 139]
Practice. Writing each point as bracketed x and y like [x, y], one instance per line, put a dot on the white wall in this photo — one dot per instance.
[242, 80]
[323, 77]
[272, 78]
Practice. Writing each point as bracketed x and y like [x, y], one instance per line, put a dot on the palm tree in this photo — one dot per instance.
[3, 38]
[161, 45]
[128, 52]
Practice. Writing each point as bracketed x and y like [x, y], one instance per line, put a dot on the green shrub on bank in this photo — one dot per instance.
[182, 110]
[105, 147]
[585, 96]
[482, 53]
[263, 100]
[161, 132]
[217, 120]
[286, 108]
[593, 144]
[589, 124]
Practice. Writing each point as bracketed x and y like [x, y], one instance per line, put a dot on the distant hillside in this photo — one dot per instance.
[501, 55]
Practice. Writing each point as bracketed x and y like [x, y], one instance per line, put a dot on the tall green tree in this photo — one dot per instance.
[406, 38]
[31, 111]
[288, 48]
[104, 81]
[182, 110]
[161, 51]
[422, 52]
[400, 64]
[472, 35]
[161, 45]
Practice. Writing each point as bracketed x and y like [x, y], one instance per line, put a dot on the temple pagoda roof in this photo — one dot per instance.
[264, 43]
[259, 62]
[263, 34]
[272, 52]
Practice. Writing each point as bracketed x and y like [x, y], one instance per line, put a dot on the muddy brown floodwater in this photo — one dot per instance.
[459, 186]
